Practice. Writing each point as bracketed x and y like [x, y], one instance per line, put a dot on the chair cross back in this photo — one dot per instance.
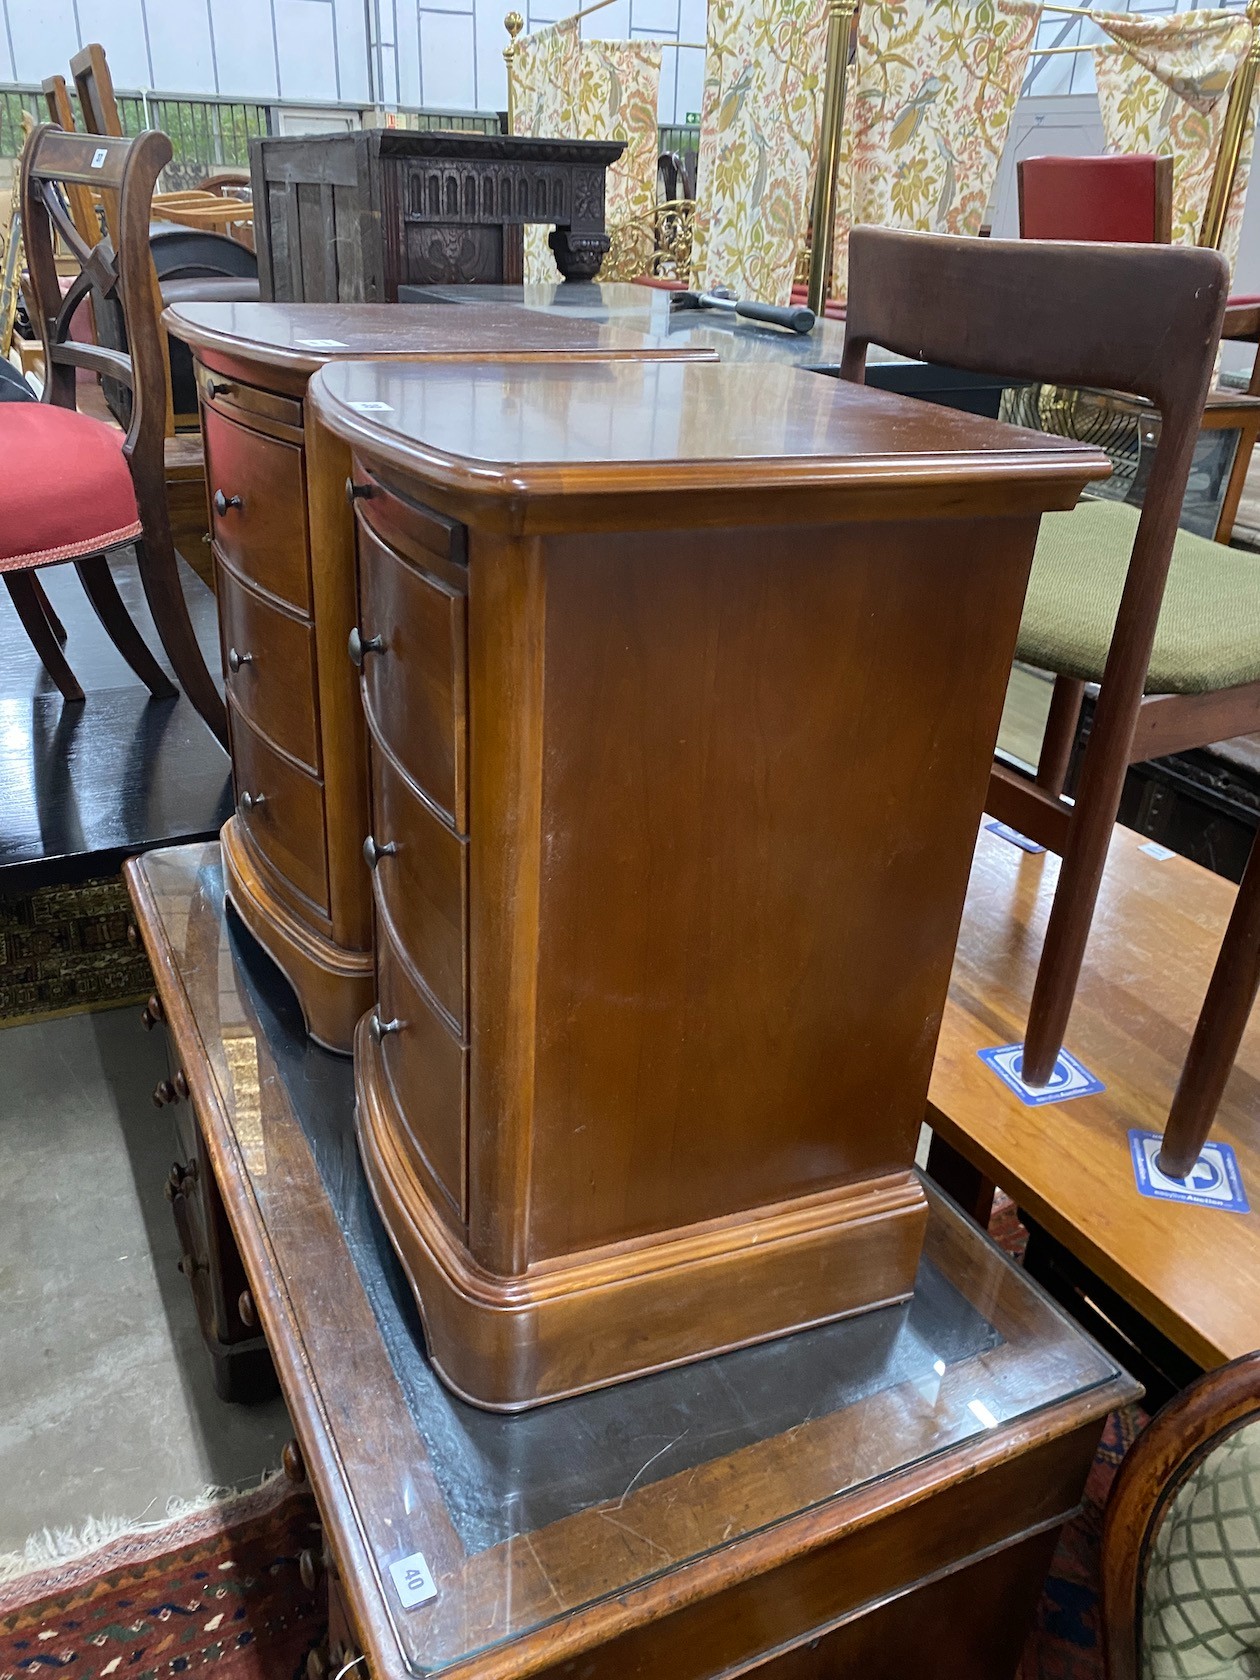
[125, 170]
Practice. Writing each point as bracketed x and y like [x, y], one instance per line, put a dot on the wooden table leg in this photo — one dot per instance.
[957, 1177]
[1219, 1030]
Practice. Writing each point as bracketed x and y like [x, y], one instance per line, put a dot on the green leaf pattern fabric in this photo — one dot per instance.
[932, 92]
[1163, 86]
[574, 89]
[759, 126]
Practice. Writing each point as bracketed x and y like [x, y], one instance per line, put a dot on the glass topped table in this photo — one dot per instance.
[668, 1503]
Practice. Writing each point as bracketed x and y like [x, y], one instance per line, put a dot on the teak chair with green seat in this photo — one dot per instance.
[1168, 624]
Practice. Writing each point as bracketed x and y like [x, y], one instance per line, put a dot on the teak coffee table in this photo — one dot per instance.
[845, 1501]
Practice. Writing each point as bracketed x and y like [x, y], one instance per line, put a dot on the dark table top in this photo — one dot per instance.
[84, 786]
[559, 1513]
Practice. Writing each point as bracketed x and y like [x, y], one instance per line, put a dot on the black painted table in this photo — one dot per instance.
[84, 786]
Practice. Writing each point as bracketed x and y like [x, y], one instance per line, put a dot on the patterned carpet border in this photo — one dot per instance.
[226, 1598]
[65, 948]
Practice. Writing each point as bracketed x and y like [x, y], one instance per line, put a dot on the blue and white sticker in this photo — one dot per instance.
[1213, 1181]
[1153, 849]
[1005, 832]
[1070, 1078]
[372, 407]
[98, 157]
[413, 1581]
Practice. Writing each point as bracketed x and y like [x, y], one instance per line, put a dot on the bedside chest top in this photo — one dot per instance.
[514, 433]
[301, 337]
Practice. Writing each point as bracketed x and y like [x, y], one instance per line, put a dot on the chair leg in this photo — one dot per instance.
[25, 594]
[1222, 1021]
[57, 627]
[957, 1177]
[159, 573]
[1060, 736]
[101, 590]
[1084, 859]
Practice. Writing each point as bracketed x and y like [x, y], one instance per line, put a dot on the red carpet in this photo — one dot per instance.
[228, 1602]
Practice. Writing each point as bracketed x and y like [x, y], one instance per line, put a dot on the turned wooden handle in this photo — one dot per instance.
[358, 492]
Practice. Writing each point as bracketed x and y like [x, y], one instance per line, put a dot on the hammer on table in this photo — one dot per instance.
[797, 320]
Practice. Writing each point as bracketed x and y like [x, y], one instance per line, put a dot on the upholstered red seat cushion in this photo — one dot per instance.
[65, 489]
[1109, 199]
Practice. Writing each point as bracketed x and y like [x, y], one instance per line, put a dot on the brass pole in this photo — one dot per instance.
[839, 40]
[513, 23]
[1233, 133]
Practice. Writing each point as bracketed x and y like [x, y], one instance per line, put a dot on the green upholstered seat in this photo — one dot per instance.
[1209, 624]
[1201, 1605]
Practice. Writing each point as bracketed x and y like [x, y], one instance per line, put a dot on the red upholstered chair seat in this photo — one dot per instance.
[65, 489]
[1114, 199]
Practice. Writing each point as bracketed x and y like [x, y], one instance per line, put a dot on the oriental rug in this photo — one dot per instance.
[66, 948]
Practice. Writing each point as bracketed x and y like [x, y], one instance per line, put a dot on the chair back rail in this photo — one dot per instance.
[95, 87]
[127, 169]
[1141, 319]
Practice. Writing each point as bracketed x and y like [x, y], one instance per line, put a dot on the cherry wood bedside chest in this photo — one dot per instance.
[879, 1497]
[284, 552]
[681, 684]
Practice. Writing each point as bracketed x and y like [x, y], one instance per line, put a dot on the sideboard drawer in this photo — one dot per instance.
[269, 660]
[421, 869]
[427, 1068]
[258, 507]
[281, 808]
[415, 685]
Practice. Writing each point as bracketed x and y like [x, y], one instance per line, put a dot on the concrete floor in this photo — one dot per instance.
[107, 1409]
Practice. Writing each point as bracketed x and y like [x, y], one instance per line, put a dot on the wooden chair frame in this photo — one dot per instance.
[1072, 314]
[1154, 1470]
[123, 172]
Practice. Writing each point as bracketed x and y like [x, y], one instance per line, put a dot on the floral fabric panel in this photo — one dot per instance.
[573, 89]
[1163, 86]
[759, 127]
[932, 91]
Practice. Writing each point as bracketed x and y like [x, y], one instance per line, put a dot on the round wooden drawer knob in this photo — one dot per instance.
[180, 1083]
[358, 492]
[236, 660]
[222, 503]
[381, 1029]
[218, 387]
[245, 1306]
[309, 1570]
[293, 1462]
[164, 1092]
[151, 1014]
[253, 801]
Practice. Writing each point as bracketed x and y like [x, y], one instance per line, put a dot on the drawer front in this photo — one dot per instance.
[235, 398]
[273, 682]
[264, 535]
[422, 884]
[426, 1066]
[416, 685]
[284, 811]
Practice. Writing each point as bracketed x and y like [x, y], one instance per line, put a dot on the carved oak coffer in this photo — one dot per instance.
[681, 686]
[348, 218]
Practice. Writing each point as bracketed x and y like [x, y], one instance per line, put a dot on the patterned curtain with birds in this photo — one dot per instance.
[933, 88]
[759, 123]
[574, 89]
[1163, 85]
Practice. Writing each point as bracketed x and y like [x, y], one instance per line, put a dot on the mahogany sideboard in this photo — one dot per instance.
[879, 1497]
[283, 546]
[682, 682]
[347, 218]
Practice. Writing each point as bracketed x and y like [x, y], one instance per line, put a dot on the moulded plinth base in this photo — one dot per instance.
[599, 1317]
[333, 986]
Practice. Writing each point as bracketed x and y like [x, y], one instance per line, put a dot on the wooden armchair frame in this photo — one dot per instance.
[1071, 314]
[123, 173]
[1154, 1470]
